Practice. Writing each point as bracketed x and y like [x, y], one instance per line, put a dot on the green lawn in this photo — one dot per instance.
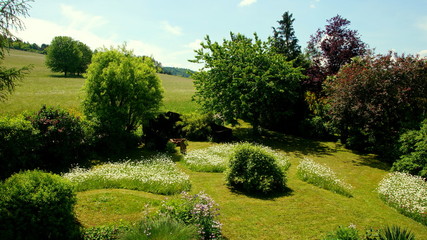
[306, 212]
[42, 86]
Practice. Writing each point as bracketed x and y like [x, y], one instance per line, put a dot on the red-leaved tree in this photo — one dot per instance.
[330, 49]
[373, 98]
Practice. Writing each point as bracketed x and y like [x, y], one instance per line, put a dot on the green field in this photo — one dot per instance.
[42, 86]
[305, 212]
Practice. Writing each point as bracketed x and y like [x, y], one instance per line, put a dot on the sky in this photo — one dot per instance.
[170, 30]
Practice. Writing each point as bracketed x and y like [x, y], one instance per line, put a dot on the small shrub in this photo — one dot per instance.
[344, 233]
[37, 205]
[413, 146]
[255, 170]
[161, 227]
[396, 233]
[406, 193]
[105, 232]
[157, 175]
[199, 210]
[322, 176]
[197, 127]
[61, 138]
[18, 146]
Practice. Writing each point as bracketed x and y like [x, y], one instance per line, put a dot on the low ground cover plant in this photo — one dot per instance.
[254, 169]
[322, 176]
[156, 175]
[406, 193]
[216, 158]
[199, 210]
[384, 233]
[37, 205]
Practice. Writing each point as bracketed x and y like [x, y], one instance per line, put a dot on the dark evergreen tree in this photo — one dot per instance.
[284, 40]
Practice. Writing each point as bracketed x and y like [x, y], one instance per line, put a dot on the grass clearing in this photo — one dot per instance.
[43, 87]
[156, 175]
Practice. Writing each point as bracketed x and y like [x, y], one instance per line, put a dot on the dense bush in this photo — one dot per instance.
[197, 127]
[37, 205]
[254, 170]
[199, 210]
[161, 227]
[105, 232]
[413, 147]
[384, 233]
[61, 138]
[18, 145]
[373, 98]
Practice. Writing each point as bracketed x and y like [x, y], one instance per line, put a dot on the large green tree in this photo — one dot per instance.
[121, 90]
[284, 40]
[10, 13]
[243, 78]
[68, 55]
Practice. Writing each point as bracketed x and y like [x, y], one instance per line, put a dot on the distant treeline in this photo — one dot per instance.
[182, 72]
[29, 47]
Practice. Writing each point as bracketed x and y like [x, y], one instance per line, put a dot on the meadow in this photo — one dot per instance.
[305, 211]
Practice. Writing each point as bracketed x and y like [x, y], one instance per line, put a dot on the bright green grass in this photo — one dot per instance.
[42, 86]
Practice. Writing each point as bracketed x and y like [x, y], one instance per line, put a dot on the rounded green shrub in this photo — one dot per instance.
[254, 170]
[37, 205]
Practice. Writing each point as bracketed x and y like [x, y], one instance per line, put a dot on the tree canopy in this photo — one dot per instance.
[10, 13]
[121, 90]
[330, 49]
[244, 79]
[284, 40]
[68, 55]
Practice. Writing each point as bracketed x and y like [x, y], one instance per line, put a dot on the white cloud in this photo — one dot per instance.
[81, 20]
[175, 30]
[194, 45]
[313, 4]
[244, 3]
[423, 53]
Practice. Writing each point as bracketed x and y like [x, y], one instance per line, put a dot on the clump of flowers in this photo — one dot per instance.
[157, 175]
[199, 210]
[322, 176]
[407, 193]
[216, 158]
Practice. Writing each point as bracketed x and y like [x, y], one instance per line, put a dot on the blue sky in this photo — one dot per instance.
[170, 30]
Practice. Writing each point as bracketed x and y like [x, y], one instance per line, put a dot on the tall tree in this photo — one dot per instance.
[68, 55]
[330, 49]
[244, 79]
[10, 13]
[284, 40]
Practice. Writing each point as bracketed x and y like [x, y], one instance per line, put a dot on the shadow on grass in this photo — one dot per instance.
[68, 76]
[371, 160]
[287, 192]
[287, 143]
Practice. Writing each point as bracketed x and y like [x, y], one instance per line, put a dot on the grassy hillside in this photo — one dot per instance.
[42, 86]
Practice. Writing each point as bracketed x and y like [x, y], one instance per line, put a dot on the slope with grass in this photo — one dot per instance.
[42, 86]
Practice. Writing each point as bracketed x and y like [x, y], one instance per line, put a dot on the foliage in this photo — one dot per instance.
[121, 91]
[18, 145]
[161, 227]
[406, 193]
[61, 138]
[156, 175]
[10, 11]
[211, 159]
[330, 49]
[182, 72]
[396, 233]
[344, 233]
[322, 176]
[255, 170]
[244, 79]
[29, 47]
[196, 127]
[37, 205]
[374, 97]
[413, 148]
[199, 210]
[67, 55]
[104, 232]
